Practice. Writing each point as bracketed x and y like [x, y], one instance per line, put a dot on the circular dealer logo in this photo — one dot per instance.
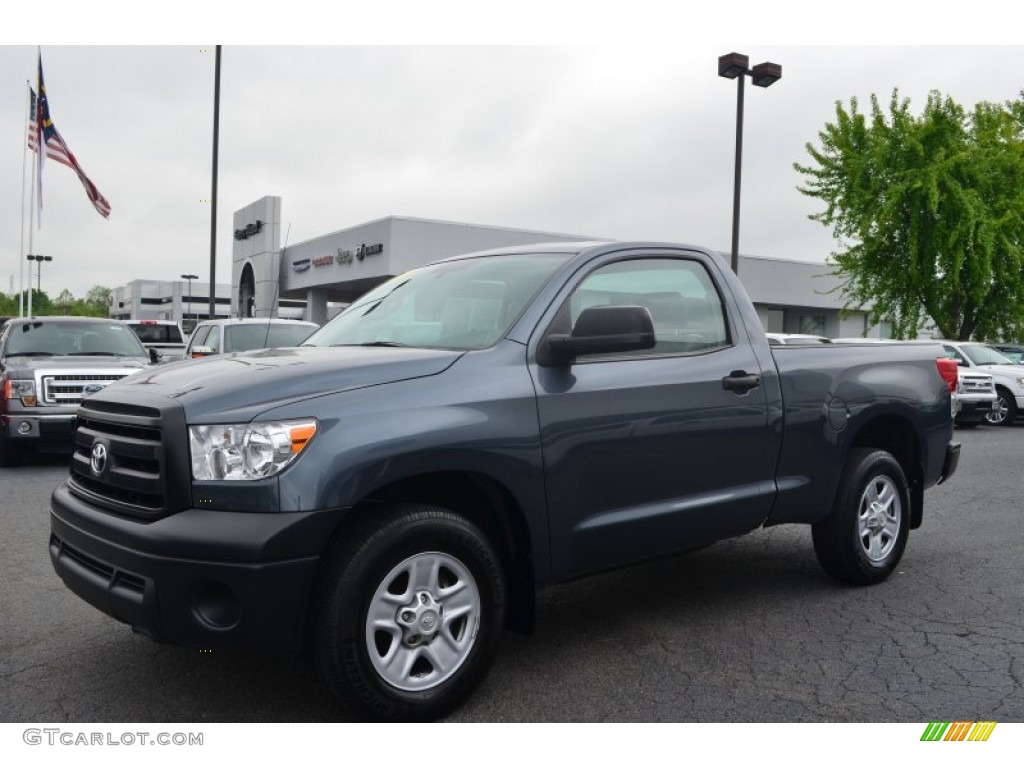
[99, 458]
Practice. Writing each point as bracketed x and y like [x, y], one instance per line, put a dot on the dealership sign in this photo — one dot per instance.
[249, 230]
[346, 256]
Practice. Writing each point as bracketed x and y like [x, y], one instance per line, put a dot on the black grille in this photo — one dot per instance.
[139, 474]
[113, 576]
[123, 409]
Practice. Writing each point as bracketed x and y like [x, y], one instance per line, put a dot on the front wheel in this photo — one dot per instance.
[409, 613]
[863, 538]
[1004, 410]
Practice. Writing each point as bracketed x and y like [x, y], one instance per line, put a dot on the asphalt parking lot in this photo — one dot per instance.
[746, 630]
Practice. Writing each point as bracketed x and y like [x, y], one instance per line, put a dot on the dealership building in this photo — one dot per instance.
[313, 279]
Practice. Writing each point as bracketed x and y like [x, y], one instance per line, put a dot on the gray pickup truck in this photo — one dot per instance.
[47, 365]
[394, 492]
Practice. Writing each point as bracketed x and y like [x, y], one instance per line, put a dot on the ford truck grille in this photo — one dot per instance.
[123, 461]
[971, 384]
[67, 388]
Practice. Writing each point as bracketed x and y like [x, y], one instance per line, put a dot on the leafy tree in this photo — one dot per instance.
[928, 212]
[97, 300]
[41, 303]
[95, 303]
[64, 303]
[9, 305]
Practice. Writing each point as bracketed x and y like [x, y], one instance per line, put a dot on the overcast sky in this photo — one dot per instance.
[624, 142]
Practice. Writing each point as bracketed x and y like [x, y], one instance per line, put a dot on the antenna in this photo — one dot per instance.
[277, 286]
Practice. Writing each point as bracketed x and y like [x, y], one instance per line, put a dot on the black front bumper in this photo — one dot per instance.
[46, 433]
[199, 577]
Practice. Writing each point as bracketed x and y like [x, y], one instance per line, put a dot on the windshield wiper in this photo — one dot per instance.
[373, 344]
[31, 354]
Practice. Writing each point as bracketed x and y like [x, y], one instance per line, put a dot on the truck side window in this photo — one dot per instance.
[199, 336]
[955, 354]
[686, 309]
[213, 340]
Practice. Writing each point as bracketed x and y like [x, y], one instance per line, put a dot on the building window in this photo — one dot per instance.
[812, 324]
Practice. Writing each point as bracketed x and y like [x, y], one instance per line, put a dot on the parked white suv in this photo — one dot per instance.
[1008, 377]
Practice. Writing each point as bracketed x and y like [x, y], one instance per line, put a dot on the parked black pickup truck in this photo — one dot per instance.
[393, 493]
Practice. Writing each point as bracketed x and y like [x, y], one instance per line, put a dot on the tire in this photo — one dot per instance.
[863, 538]
[408, 614]
[1004, 413]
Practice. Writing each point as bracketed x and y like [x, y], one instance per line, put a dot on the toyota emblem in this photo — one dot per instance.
[99, 458]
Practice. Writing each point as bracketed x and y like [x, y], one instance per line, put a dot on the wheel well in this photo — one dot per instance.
[896, 435]
[1002, 389]
[486, 504]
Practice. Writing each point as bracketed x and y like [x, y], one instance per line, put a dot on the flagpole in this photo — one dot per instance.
[32, 217]
[21, 247]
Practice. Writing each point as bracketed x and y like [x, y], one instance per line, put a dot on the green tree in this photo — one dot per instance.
[8, 305]
[64, 304]
[95, 304]
[97, 301]
[41, 303]
[928, 212]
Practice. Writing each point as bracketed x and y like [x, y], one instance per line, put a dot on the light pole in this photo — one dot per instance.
[190, 278]
[39, 278]
[735, 67]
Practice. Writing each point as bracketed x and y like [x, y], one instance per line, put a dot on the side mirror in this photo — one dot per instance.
[600, 330]
[155, 356]
[198, 352]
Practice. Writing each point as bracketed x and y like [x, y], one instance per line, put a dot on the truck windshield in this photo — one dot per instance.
[463, 304]
[242, 338]
[980, 354]
[53, 337]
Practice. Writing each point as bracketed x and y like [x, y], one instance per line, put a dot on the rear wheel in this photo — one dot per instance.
[409, 614]
[863, 538]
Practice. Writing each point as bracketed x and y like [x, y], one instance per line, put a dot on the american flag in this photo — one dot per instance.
[42, 130]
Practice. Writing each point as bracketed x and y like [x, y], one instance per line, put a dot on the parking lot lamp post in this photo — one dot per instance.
[39, 276]
[734, 66]
[190, 278]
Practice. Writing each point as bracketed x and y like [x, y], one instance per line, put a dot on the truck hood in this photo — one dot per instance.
[1014, 372]
[238, 387]
[19, 367]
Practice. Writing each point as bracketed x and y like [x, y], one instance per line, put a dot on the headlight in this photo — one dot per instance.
[22, 389]
[247, 451]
